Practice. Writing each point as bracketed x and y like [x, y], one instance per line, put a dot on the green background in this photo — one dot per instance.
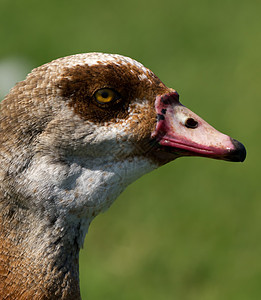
[190, 230]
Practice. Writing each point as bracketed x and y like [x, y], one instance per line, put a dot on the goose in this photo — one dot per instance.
[73, 135]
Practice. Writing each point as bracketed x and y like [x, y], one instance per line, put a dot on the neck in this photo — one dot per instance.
[40, 237]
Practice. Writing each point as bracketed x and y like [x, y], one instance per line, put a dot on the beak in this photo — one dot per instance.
[182, 132]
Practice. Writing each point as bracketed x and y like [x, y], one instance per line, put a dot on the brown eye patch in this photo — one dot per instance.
[80, 84]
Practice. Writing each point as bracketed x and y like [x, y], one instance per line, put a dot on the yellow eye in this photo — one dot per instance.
[105, 95]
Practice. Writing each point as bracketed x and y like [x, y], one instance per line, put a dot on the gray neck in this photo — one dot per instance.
[57, 201]
[78, 191]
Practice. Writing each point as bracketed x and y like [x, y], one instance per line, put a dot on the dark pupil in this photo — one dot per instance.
[105, 94]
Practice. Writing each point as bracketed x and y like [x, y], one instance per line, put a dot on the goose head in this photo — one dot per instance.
[74, 134]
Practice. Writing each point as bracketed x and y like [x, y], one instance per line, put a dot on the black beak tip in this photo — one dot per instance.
[239, 153]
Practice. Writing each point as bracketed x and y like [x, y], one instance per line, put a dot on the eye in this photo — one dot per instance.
[106, 95]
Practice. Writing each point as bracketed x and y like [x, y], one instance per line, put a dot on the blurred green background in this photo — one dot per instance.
[192, 229]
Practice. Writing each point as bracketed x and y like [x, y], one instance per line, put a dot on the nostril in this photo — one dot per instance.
[191, 123]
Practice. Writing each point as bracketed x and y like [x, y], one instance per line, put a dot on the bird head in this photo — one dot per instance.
[82, 123]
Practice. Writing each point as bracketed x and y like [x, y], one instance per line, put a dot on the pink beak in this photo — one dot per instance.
[185, 133]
